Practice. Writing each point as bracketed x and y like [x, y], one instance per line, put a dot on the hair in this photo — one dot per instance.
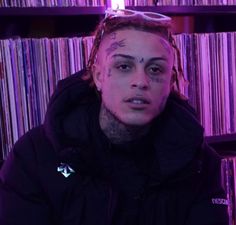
[112, 24]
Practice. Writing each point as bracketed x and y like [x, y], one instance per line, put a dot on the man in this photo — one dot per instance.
[130, 152]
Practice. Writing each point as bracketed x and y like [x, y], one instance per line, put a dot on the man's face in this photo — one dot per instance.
[133, 72]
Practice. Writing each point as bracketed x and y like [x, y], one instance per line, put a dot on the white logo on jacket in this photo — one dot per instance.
[65, 169]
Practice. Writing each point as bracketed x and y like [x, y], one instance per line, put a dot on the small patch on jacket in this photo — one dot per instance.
[65, 169]
[220, 201]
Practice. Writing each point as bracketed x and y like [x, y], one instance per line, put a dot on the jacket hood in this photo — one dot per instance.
[69, 94]
[72, 118]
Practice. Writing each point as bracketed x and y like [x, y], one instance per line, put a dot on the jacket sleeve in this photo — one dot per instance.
[21, 198]
[210, 206]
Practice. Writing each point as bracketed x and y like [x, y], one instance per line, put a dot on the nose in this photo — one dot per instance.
[140, 81]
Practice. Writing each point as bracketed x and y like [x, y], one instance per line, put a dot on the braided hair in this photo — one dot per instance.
[111, 24]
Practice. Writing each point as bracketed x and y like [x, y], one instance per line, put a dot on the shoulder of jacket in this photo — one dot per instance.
[36, 149]
[33, 148]
[211, 168]
[210, 156]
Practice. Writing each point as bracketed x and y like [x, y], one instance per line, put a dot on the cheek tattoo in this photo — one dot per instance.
[114, 46]
[157, 79]
[109, 73]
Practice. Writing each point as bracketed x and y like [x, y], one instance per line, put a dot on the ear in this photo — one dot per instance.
[97, 76]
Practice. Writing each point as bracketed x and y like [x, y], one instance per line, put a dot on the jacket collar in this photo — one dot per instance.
[178, 136]
[71, 93]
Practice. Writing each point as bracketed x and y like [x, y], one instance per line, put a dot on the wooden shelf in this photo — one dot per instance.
[188, 10]
[221, 138]
[225, 145]
[76, 11]
[51, 11]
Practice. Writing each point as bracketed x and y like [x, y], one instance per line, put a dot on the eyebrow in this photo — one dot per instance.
[162, 58]
[123, 56]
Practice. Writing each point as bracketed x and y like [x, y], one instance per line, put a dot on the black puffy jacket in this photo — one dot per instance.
[66, 172]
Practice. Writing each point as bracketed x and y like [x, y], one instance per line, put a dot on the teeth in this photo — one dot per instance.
[135, 101]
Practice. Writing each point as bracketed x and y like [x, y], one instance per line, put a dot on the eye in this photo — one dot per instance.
[123, 67]
[154, 70]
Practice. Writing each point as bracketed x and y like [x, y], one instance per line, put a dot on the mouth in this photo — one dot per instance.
[138, 101]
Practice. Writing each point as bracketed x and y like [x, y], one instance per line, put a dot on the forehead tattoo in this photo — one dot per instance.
[115, 45]
[141, 60]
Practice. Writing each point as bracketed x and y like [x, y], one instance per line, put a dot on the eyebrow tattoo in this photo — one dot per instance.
[114, 46]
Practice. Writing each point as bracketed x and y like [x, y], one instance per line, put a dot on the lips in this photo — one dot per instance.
[137, 100]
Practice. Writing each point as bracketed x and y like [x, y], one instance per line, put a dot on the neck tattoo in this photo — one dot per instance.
[116, 131]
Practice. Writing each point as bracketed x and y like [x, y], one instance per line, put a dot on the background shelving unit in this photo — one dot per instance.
[83, 10]
[39, 22]
[223, 144]
[48, 21]
[68, 21]
[52, 11]
[80, 21]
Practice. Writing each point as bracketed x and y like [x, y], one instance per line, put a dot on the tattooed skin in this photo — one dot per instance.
[116, 130]
[113, 35]
[115, 45]
[109, 73]
[141, 60]
[157, 79]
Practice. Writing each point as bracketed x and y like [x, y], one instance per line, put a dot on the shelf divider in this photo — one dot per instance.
[99, 10]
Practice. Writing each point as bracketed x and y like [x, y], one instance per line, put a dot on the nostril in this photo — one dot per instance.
[139, 85]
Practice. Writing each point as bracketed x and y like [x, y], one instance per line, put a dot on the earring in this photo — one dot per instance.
[98, 89]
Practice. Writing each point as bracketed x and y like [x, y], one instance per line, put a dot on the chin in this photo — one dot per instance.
[136, 121]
